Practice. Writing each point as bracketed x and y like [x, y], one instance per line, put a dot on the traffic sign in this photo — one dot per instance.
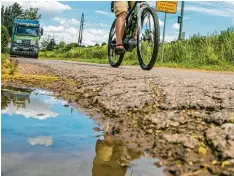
[166, 6]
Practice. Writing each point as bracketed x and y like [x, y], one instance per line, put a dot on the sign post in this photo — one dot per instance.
[164, 30]
[167, 7]
[182, 35]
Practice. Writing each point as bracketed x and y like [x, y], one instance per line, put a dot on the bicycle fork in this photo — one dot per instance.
[139, 24]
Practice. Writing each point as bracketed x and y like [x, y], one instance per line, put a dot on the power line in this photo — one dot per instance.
[199, 11]
[97, 21]
[204, 7]
[232, 8]
[98, 9]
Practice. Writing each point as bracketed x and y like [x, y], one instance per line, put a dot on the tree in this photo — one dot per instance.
[2, 14]
[96, 44]
[62, 45]
[52, 44]
[16, 11]
[48, 43]
[4, 37]
[104, 43]
[9, 13]
[31, 14]
[70, 46]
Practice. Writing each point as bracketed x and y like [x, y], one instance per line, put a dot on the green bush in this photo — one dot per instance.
[4, 38]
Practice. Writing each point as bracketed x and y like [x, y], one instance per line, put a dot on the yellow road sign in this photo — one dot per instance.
[166, 6]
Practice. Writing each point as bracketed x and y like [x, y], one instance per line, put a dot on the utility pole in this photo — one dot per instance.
[81, 30]
[180, 20]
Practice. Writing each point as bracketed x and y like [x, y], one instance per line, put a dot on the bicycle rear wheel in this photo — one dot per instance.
[148, 39]
[114, 60]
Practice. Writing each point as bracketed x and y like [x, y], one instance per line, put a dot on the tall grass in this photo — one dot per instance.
[203, 50]
[212, 50]
[8, 66]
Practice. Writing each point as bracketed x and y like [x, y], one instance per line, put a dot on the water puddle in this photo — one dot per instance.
[42, 135]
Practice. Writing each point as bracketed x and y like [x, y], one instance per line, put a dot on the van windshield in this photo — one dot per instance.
[24, 30]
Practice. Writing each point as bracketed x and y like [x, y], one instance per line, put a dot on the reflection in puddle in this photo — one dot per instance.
[41, 140]
[112, 157]
[19, 103]
[42, 135]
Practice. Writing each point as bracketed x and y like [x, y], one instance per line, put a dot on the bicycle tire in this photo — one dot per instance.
[111, 62]
[156, 41]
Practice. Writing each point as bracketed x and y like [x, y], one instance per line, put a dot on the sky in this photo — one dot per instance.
[61, 19]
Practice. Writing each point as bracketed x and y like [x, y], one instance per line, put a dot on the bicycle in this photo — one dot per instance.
[139, 15]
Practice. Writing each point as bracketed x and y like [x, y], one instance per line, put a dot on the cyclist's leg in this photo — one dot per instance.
[120, 9]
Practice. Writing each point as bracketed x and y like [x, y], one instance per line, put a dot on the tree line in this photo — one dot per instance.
[49, 44]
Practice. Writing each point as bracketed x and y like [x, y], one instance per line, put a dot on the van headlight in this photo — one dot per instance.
[18, 41]
[33, 42]
[14, 48]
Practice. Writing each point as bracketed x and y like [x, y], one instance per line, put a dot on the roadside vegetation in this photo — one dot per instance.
[9, 67]
[211, 52]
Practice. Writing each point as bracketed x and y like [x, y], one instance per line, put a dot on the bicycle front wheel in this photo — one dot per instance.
[148, 39]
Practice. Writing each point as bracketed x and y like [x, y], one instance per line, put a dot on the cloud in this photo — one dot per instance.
[176, 26]
[72, 31]
[91, 36]
[53, 100]
[74, 21]
[66, 21]
[35, 109]
[161, 23]
[54, 29]
[102, 12]
[170, 36]
[41, 140]
[230, 2]
[217, 12]
[46, 8]
[146, 21]
[43, 92]
[186, 18]
[48, 163]
[61, 33]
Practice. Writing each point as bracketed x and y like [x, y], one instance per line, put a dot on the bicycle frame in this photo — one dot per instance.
[138, 7]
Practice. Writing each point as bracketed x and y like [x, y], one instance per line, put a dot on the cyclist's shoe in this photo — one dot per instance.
[119, 49]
